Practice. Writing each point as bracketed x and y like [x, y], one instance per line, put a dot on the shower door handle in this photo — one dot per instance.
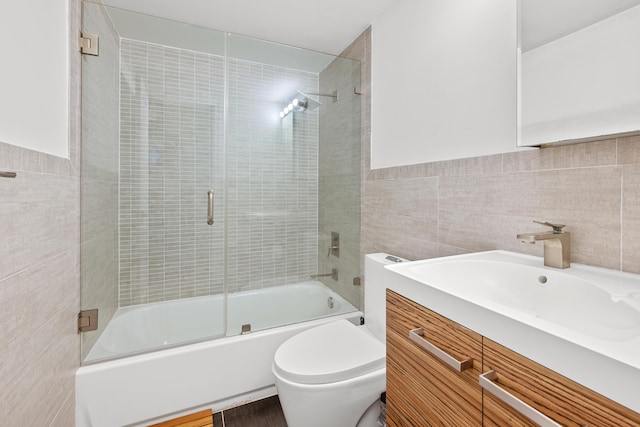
[210, 207]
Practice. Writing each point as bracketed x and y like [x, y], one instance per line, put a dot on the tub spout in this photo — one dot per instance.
[333, 274]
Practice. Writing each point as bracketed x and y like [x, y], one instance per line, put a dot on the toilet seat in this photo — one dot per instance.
[329, 353]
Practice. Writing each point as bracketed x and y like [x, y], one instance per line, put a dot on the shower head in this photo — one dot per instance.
[302, 102]
[306, 102]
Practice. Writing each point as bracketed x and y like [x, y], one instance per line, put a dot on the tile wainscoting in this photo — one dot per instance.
[481, 203]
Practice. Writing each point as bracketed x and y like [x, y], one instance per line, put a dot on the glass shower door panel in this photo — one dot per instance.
[166, 281]
[99, 175]
[339, 171]
[273, 182]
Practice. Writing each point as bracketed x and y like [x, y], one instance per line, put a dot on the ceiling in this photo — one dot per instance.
[331, 25]
[322, 25]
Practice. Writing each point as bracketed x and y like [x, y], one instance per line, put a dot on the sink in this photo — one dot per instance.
[581, 301]
[582, 322]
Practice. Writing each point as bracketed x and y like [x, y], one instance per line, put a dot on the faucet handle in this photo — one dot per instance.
[557, 228]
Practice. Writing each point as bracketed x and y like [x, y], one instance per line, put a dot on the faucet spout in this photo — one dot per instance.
[535, 237]
[333, 275]
[557, 245]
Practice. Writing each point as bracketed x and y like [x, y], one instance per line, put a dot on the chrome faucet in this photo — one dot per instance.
[557, 244]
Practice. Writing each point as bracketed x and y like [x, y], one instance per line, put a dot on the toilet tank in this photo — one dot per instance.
[375, 284]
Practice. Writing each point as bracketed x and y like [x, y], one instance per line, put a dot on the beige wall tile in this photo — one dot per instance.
[470, 166]
[599, 153]
[66, 416]
[404, 207]
[631, 219]
[39, 219]
[400, 217]
[486, 212]
[445, 250]
[40, 349]
[629, 150]
[407, 245]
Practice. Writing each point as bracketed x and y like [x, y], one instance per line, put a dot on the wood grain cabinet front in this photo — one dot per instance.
[539, 396]
[440, 373]
[433, 365]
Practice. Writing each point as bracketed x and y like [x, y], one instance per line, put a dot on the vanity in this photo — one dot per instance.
[495, 338]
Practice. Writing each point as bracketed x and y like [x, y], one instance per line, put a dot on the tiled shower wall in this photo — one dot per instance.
[171, 154]
[339, 170]
[173, 151]
[272, 179]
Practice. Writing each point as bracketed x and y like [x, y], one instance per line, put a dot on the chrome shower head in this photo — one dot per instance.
[305, 102]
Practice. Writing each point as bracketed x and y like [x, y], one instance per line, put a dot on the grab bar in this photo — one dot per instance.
[8, 174]
[210, 207]
[333, 275]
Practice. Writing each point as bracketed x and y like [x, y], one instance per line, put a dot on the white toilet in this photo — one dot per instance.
[332, 375]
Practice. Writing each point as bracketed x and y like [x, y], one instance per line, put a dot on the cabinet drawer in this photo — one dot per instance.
[421, 388]
[559, 398]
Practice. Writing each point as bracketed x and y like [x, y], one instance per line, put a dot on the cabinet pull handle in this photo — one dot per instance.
[210, 207]
[417, 336]
[487, 382]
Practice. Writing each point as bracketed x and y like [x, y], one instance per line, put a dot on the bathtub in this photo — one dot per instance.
[219, 373]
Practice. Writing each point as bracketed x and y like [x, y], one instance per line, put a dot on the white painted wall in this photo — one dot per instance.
[443, 81]
[585, 84]
[34, 76]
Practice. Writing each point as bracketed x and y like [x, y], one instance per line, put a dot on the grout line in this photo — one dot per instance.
[620, 242]
[621, 204]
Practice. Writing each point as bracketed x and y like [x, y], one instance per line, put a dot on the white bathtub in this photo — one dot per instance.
[217, 374]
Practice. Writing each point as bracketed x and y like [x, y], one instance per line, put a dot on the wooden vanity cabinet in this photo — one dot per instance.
[422, 390]
[555, 396]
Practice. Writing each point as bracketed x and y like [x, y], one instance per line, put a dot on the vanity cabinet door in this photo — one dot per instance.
[422, 389]
[560, 399]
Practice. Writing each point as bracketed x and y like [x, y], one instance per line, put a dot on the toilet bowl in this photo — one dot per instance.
[333, 374]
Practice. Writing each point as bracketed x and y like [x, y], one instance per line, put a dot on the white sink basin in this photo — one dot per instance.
[587, 301]
[507, 283]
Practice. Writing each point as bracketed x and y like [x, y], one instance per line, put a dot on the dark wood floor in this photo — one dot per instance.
[263, 413]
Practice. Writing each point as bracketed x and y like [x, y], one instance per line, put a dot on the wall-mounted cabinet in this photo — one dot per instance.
[577, 71]
[423, 388]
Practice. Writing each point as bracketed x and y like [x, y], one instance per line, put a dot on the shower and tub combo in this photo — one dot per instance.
[208, 213]
[138, 328]
[215, 373]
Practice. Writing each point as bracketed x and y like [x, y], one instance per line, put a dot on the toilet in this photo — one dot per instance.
[333, 374]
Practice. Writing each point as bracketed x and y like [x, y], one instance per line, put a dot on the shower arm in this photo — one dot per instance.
[333, 95]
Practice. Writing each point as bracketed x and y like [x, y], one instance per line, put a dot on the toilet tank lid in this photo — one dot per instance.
[332, 352]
